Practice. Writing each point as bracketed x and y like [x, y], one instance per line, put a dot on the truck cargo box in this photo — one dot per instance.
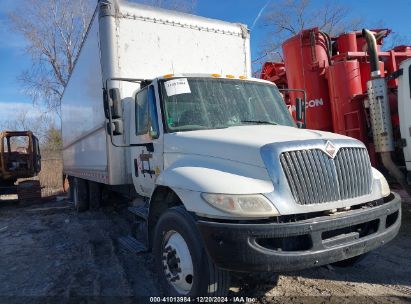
[126, 40]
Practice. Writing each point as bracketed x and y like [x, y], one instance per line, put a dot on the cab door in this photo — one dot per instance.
[146, 141]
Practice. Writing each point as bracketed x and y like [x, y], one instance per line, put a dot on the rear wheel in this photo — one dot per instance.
[94, 195]
[80, 195]
[68, 184]
[181, 260]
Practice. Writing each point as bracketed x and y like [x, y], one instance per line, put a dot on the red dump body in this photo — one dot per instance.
[334, 73]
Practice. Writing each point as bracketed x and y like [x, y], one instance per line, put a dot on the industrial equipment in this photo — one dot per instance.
[19, 159]
[352, 88]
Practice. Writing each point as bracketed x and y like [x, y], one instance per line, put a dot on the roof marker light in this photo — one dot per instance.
[229, 76]
[215, 75]
[168, 75]
[243, 77]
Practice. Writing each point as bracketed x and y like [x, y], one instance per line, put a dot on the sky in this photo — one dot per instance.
[13, 60]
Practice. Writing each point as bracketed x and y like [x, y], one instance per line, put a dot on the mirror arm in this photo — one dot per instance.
[133, 80]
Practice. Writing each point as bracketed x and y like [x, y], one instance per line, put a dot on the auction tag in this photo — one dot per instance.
[177, 86]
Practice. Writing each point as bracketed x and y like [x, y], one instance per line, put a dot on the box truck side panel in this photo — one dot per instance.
[84, 138]
[170, 49]
[168, 42]
[137, 41]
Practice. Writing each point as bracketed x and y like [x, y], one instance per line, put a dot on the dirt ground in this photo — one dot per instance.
[49, 252]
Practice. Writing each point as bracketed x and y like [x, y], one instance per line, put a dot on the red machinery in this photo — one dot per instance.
[334, 73]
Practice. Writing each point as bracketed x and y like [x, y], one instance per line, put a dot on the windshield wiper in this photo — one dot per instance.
[260, 122]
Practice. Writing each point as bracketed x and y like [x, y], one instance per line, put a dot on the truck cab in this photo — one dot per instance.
[219, 177]
[19, 156]
[228, 173]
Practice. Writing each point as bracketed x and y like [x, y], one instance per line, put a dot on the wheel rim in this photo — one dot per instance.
[177, 262]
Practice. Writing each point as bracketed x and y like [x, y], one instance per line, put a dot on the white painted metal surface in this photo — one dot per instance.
[229, 161]
[147, 170]
[238, 143]
[137, 41]
[84, 138]
[404, 109]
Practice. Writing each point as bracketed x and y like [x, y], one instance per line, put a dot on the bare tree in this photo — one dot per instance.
[393, 39]
[42, 125]
[286, 18]
[23, 121]
[54, 30]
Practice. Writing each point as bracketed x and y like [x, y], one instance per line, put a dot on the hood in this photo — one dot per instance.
[239, 143]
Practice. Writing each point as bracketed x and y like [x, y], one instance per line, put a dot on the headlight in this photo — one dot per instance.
[254, 204]
[385, 188]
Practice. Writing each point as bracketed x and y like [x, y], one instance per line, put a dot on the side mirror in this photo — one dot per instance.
[300, 112]
[112, 99]
[116, 126]
[299, 108]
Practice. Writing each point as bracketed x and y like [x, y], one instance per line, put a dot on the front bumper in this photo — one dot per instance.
[301, 244]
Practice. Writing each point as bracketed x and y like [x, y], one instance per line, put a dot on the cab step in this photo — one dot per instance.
[141, 212]
[131, 244]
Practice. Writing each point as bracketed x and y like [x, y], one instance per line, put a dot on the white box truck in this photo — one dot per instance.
[162, 106]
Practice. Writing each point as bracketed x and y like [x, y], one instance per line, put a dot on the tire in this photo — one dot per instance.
[175, 235]
[94, 195]
[350, 262]
[70, 192]
[80, 194]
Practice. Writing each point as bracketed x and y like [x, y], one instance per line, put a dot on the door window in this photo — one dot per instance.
[146, 113]
[142, 113]
[154, 129]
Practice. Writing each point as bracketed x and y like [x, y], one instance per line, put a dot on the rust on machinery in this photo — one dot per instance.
[19, 159]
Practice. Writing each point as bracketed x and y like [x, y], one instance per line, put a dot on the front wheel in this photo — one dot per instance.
[182, 262]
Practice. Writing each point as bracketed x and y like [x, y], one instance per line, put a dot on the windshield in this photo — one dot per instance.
[212, 103]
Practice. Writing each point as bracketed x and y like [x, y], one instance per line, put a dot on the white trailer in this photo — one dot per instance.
[162, 104]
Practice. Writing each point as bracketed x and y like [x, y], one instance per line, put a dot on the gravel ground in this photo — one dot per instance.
[47, 251]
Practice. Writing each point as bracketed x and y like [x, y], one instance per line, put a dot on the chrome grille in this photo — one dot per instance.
[316, 178]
